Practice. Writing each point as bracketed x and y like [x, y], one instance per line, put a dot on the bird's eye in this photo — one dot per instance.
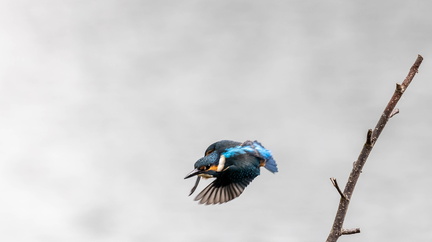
[204, 168]
[208, 152]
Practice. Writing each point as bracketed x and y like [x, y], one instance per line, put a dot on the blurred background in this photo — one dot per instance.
[106, 105]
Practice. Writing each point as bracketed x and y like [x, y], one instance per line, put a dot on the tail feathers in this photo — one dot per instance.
[271, 165]
[256, 149]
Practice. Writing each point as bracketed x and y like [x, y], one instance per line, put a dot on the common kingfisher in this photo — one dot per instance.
[234, 165]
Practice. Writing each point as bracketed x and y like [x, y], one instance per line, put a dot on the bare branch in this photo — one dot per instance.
[372, 137]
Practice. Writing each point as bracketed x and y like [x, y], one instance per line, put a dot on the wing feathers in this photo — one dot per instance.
[214, 194]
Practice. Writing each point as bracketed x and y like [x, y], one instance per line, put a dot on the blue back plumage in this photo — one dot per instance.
[256, 149]
[233, 151]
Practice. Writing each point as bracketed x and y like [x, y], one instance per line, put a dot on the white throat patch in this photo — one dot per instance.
[221, 163]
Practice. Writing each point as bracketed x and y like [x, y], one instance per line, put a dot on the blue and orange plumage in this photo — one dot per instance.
[234, 165]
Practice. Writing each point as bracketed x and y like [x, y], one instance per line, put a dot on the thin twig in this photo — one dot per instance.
[394, 112]
[336, 185]
[369, 139]
[372, 137]
[351, 231]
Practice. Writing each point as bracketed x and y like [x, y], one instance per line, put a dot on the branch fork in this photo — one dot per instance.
[336, 185]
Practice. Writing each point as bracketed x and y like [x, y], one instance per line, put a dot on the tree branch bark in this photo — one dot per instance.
[372, 136]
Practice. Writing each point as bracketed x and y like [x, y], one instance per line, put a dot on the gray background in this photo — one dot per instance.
[106, 105]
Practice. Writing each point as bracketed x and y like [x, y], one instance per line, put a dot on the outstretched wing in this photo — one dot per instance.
[229, 185]
[218, 192]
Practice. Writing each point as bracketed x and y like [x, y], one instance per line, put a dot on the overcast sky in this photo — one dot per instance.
[106, 105]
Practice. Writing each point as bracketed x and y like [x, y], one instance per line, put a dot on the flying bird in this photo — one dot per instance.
[234, 165]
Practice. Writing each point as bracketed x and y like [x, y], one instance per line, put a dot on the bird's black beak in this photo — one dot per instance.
[193, 173]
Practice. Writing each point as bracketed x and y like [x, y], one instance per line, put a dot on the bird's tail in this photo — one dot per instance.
[271, 165]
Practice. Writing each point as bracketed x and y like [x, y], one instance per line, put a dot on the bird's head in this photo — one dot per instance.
[213, 161]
